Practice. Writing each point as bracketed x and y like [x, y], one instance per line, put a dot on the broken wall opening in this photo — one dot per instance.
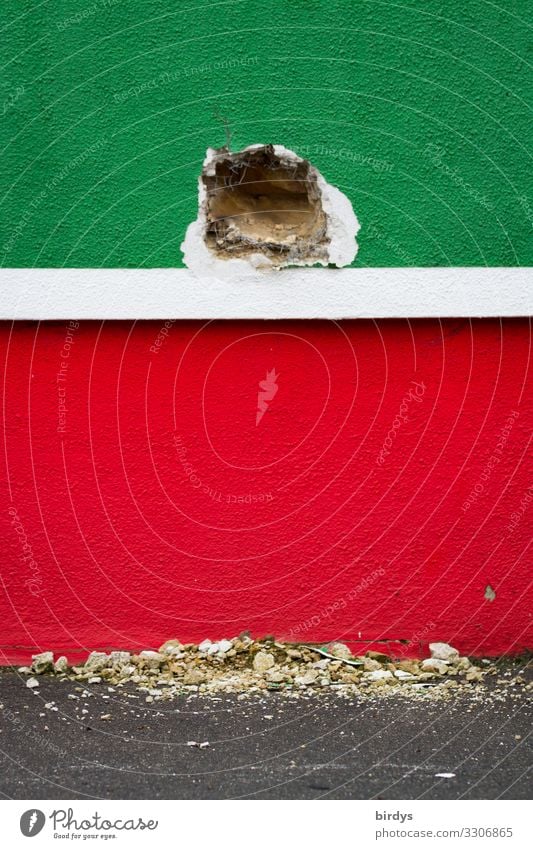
[261, 201]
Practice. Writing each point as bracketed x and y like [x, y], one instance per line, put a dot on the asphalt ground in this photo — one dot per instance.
[321, 745]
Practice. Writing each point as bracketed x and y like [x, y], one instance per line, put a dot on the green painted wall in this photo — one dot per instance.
[416, 110]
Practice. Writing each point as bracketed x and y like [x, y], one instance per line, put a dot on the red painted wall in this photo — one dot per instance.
[142, 501]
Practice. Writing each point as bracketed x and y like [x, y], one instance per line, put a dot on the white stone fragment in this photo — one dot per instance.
[43, 662]
[151, 659]
[119, 658]
[263, 661]
[309, 677]
[443, 651]
[61, 664]
[275, 676]
[433, 664]
[172, 647]
[402, 675]
[340, 650]
[96, 661]
[378, 675]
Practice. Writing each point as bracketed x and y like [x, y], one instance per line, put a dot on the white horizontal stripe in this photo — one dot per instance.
[119, 293]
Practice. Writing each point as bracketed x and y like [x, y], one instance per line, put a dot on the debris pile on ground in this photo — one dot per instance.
[246, 665]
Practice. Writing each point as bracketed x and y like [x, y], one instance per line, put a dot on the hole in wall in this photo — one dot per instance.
[258, 200]
[268, 208]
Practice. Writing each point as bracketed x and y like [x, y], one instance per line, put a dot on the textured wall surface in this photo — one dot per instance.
[383, 495]
[418, 111]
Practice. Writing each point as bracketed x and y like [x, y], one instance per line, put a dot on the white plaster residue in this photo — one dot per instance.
[343, 225]
[338, 246]
[490, 595]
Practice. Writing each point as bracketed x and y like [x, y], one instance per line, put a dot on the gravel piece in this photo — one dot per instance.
[432, 664]
[275, 676]
[443, 651]
[42, 663]
[403, 676]
[379, 675]
[340, 650]
[118, 659]
[151, 659]
[474, 675]
[96, 661]
[263, 661]
[61, 664]
[195, 676]
[308, 678]
[172, 647]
